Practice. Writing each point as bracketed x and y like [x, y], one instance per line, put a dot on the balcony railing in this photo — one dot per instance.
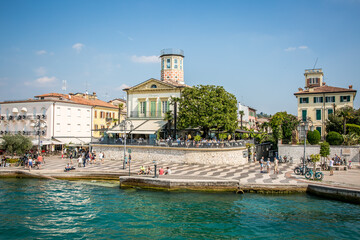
[27, 133]
[22, 117]
[147, 114]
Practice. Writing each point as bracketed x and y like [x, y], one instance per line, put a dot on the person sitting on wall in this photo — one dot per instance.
[68, 167]
[161, 171]
[142, 170]
[168, 171]
[149, 171]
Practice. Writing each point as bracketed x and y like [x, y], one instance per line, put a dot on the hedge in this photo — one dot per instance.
[313, 137]
[334, 138]
[353, 128]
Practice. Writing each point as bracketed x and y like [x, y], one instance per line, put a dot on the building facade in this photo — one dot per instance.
[318, 100]
[54, 121]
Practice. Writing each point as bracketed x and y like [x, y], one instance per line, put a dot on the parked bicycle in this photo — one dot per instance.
[299, 170]
[310, 174]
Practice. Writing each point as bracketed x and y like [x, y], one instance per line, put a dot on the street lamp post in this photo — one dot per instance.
[304, 126]
[123, 125]
[39, 126]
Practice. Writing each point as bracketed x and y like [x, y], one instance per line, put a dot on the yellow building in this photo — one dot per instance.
[318, 100]
[104, 115]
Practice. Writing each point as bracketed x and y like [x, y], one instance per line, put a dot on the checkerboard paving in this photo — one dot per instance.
[248, 173]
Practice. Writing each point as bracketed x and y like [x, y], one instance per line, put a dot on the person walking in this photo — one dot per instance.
[261, 164]
[331, 167]
[276, 166]
[268, 165]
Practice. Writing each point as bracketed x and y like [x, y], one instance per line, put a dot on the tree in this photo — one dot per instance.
[241, 118]
[169, 117]
[18, 144]
[207, 107]
[313, 137]
[324, 149]
[334, 138]
[346, 113]
[314, 158]
[282, 125]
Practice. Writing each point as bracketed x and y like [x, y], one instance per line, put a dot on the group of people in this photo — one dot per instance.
[33, 160]
[84, 158]
[267, 165]
[149, 171]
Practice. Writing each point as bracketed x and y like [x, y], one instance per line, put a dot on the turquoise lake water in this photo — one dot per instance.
[41, 209]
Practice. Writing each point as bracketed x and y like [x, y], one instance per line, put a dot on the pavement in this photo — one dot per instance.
[247, 174]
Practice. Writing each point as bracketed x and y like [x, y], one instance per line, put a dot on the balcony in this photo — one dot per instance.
[108, 119]
[147, 114]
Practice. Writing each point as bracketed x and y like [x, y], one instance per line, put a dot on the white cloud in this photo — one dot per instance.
[121, 87]
[41, 71]
[41, 52]
[45, 79]
[290, 49]
[145, 59]
[303, 47]
[78, 47]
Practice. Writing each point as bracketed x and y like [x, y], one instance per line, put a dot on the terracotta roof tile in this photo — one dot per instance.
[79, 100]
[325, 89]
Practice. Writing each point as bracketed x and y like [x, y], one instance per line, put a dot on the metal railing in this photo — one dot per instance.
[176, 143]
[22, 117]
[172, 51]
[147, 114]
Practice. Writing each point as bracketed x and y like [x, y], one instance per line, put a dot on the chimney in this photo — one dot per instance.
[324, 83]
[300, 89]
[350, 86]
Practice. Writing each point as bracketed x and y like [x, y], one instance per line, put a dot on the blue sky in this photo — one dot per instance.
[257, 50]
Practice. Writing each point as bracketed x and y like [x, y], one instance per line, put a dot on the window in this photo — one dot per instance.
[318, 114]
[69, 127]
[142, 107]
[304, 100]
[96, 127]
[69, 112]
[113, 115]
[319, 129]
[165, 106]
[314, 80]
[102, 115]
[95, 113]
[58, 111]
[330, 99]
[175, 63]
[79, 112]
[79, 127]
[344, 98]
[330, 111]
[153, 86]
[57, 127]
[180, 64]
[168, 63]
[318, 99]
[162, 65]
[304, 115]
[102, 126]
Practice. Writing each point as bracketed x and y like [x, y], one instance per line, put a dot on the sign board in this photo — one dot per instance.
[129, 150]
[345, 152]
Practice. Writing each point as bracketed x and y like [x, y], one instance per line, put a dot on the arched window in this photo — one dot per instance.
[153, 86]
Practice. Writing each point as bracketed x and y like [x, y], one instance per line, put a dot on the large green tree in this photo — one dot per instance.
[282, 125]
[18, 144]
[207, 107]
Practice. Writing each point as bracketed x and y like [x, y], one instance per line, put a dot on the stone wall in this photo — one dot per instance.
[209, 156]
[351, 153]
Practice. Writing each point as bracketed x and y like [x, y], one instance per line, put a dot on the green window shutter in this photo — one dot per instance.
[304, 113]
[321, 99]
[315, 100]
[341, 99]
[318, 114]
[319, 129]
[348, 98]
[330, 111]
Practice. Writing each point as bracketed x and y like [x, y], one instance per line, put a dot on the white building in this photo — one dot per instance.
[245, 117]
[56, 121]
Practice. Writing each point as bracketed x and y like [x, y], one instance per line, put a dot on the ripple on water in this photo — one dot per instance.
[74, 210]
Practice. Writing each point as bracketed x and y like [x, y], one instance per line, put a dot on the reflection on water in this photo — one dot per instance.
[81, 210]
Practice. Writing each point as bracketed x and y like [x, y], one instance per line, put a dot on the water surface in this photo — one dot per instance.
[45, 209]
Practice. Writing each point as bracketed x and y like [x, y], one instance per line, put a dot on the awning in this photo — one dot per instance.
[141, 127]
[44, 142]
[15, 110]
[24, 109]
[75, 141]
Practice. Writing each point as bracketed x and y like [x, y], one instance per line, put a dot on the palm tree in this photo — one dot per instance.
[121, 107]
[169, 117]
[242, 113]
[346, 113]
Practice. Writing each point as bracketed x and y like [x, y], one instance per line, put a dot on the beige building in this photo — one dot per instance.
[318, 100]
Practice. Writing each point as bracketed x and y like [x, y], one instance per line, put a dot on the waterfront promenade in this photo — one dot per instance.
[247, 175]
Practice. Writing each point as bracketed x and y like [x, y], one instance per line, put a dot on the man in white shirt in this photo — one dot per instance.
[331, 165]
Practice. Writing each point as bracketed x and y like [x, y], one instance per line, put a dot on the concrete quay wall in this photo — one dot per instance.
[337, 193]
[351, 153]
[207, 156]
